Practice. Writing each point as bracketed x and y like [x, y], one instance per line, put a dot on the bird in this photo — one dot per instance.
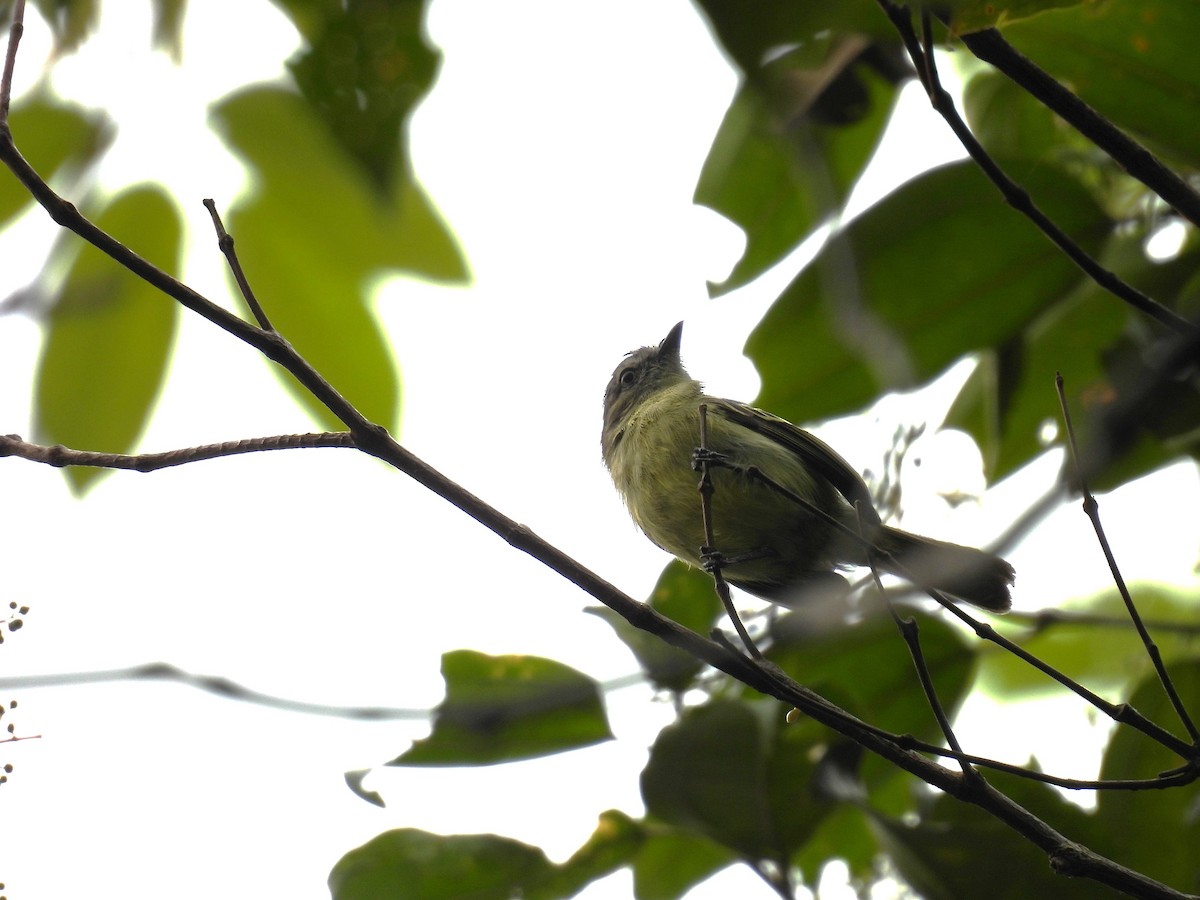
[764, 541]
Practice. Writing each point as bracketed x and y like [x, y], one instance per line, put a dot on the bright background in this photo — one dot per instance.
[322, 576]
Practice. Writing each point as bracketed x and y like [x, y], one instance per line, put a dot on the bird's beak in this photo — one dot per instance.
[669, 348]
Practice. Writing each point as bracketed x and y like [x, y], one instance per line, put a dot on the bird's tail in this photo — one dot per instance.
[976, 576]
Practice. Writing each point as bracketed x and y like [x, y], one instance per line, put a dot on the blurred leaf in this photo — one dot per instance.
[53, 136]
[109, 336]
[844, 834]
[671, 861]
[1130, 61]
[505, 708]
[974, 15]
[685, 595]
[1154, 832]
[407, 864]
[364, 72]
[752, 40]
[867, 668]
[354, 781]
[1102, 651]
[168, 26]
[734, 773]
[1011, 396]
[777, 173]
[70, 21]
[937, 269]
[311, 237]
[1009, 121]
[957, 850]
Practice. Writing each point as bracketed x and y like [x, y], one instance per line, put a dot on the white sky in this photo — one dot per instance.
[563, 147]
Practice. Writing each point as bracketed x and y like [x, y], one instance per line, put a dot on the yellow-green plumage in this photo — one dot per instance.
[652, 427]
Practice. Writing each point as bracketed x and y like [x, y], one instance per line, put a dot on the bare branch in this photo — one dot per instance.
[1092, 509]
[60, 456]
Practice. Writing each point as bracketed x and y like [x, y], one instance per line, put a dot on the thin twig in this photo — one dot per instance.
[10, 59]
[60, 456]
[1016, 196]
[910, 631]
[1091, 508]
[710, 550]
[225, 242]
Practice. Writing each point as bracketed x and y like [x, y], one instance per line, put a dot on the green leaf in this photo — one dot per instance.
[407, 864]
[685, 595]
[109, 336]
[53, 136]
[1011, 396]
[1154, 832]
[956, 850]
[784, 23]
[71, 21]
[1133, 62]
[975, 15]
[778, 174]
[732, 772]
[939, 268]
[310, 238]
[1099, 649]
[672, 861]
[365, 69]
[168, 26]
[505, 708]
[1010, 122]
[867, 667]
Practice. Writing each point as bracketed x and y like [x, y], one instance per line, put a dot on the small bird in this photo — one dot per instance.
[766, 543]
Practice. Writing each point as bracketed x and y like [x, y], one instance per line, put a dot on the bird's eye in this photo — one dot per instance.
[628, 377]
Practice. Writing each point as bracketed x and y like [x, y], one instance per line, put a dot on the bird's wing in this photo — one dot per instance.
[814, 452]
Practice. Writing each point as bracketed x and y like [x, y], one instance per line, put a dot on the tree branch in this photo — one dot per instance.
[60, 456]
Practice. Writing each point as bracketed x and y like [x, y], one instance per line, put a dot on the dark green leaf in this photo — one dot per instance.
[364, 71]
[672, 861]
[1009, 122]
[939, 268]
[867, 668]
[1130, 61]
[505, 708]
[1011, 396]
[734, 773]
[109, 336]
[974, 15]
[1154, 832]
[685, 595]
[407, 864]
[778, 174]
[958, 851]
[52, 136]
[846, 835]
[752, 39]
